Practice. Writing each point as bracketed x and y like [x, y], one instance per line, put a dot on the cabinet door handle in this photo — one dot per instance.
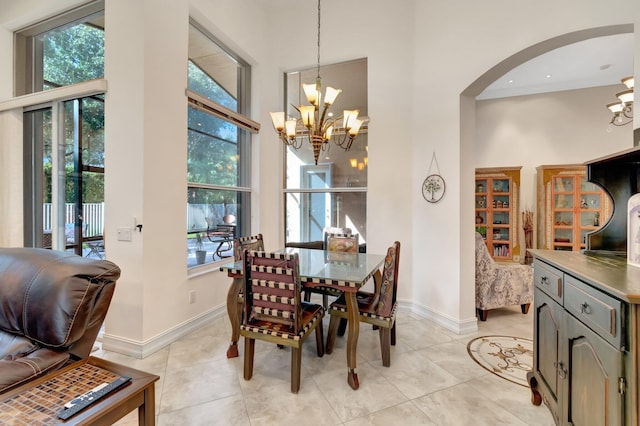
[559, 287]
[544, 280]
[562, 372]
[584, 308]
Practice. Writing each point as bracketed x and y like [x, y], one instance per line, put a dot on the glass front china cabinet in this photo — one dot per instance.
[569, 207]
[496, 210]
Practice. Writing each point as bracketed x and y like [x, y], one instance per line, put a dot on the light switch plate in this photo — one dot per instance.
[124, 234]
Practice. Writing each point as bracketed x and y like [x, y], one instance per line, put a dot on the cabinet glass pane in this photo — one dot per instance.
[501, 185]
[562, 184]
[588, 186]
[563, 201]
[481, 218]
[500, 202]
[589, 219]
[500, 218]
[501, 250]
[563, 236]
[563, 218]
[500, 234]
[590, 201]
[481, 185]
[482, 230]
[481, 201]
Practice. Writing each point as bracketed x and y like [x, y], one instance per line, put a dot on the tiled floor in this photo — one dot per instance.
[431, 381]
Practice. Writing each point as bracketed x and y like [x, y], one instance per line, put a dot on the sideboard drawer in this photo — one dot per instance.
[600, 312]
[548, 279]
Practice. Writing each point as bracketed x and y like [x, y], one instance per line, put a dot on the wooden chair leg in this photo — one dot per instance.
[482, 313]
[249, 349]
[525, 308]
[331, 334]
[319, 339]
[393, 334]
[307, 296]
[385, 340]
[296, 364]
[343, 326]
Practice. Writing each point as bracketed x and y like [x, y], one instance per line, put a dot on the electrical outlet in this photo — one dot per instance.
[192, 297]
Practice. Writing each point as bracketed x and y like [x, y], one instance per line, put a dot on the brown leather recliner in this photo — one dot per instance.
[52, 305]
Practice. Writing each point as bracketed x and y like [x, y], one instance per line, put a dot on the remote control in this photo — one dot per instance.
[83, 401]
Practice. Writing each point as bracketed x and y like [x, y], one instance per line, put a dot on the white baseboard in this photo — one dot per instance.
[141, 350]
[136, 349]
[451, 324]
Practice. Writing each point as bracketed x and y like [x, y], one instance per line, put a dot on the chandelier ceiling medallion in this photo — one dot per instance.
[623, 109]
[316, 124]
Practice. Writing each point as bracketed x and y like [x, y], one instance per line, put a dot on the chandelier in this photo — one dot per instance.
[316, 124]
[623, 109]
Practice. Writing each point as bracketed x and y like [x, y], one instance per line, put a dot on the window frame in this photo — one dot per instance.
[241, 120]
[292, 84]
[32, 98]
[25, 76]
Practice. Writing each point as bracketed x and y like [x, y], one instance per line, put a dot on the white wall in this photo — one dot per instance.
[457, 42]
[569, 127]
[421, 55]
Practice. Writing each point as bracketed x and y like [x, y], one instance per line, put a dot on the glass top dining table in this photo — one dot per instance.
[346, 272]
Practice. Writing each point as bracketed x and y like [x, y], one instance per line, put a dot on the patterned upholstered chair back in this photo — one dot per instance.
[240, 244]
[272, 289]
[347, 243]
[389, 286]
[500, 284]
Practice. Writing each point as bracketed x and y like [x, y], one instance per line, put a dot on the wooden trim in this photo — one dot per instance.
[200, 102]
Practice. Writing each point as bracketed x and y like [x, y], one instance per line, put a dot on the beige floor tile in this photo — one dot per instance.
[462, 405]
[198, 383]
[405, 414]
[431, 380]
[414, 374]
[276, 405]
[375, 392]
[454, 358]
[229, 411]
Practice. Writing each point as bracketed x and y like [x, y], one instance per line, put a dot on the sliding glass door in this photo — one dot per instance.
[64, 176]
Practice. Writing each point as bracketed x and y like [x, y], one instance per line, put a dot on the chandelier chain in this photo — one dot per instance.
[316, 125]
[318, 62]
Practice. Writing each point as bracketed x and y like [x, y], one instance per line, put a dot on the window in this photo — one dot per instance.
[64, 137]
[61, 51]
[218, 149]
[334, 192]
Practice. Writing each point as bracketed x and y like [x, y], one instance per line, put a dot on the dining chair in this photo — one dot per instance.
[274, 311]
[377, 308]
[342, 242]
[334, 242]
[240, 245]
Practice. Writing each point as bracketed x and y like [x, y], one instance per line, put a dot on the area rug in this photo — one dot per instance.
[505, 356]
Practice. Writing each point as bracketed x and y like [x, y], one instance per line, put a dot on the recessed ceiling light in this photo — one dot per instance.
[510, 81]
[548, 75]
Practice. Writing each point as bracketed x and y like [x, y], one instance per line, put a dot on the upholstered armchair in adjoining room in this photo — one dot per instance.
[500, 285]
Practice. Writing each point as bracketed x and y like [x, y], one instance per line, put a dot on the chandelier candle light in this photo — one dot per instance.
[623, 110]
[315, 123]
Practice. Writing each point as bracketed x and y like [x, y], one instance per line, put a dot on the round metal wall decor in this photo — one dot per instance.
[433, 188]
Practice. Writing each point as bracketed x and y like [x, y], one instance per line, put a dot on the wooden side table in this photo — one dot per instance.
[38, 402]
